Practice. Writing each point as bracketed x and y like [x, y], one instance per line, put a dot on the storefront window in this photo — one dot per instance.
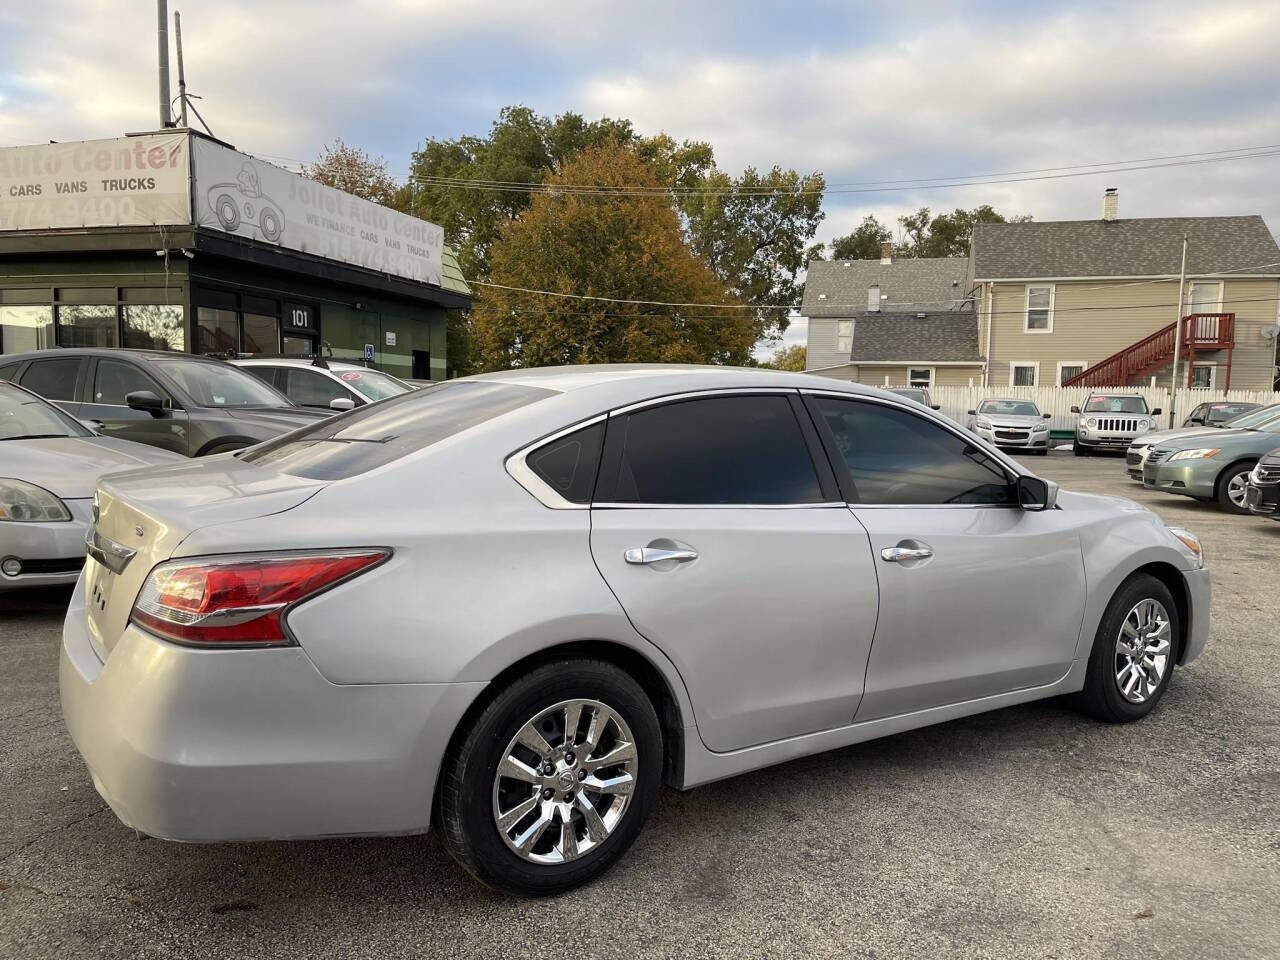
[261, 334]
[217, 330]
[154, 326]
[25, 328]
[299, 346]
[88, 325]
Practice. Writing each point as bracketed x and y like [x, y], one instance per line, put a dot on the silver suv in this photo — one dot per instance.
[1111, 420]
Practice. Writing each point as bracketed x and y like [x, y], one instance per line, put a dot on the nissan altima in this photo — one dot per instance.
[512, 606]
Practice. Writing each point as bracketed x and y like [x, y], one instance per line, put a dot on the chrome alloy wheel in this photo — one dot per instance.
[1237, 487]
[1143, 648]
[564, 782]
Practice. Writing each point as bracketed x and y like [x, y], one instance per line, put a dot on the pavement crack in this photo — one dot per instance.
[52, 830]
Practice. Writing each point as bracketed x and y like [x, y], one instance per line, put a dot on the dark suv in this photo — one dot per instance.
[192, 405]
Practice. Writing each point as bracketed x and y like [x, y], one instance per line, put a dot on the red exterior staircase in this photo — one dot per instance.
[1200, 332]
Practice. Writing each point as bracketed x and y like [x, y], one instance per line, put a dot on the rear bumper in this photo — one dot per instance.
[220, 745]
[1200, 591]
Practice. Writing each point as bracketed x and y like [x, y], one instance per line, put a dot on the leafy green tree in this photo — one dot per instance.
[349, 168]
[788, 358]
[863, 243]
[581, 243]
[947, 234]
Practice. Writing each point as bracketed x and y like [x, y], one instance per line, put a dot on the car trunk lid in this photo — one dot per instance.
[141, 518]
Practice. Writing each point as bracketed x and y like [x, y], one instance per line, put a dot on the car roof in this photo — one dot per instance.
[107, 352]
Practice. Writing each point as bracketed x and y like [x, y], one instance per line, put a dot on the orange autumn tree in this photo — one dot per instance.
[620, 247]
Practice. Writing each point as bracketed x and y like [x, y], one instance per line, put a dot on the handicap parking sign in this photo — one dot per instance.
[368, 351]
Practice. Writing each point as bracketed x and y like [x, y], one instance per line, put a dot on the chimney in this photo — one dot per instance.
[886, 252]
[1111, 205]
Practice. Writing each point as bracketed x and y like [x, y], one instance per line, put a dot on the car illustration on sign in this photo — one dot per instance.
[243, 202]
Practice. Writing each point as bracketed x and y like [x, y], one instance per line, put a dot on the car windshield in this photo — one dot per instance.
[24, 416]
[213, 384]
[1010, 408]
[1257, 415]
[375, 435]
[373, 384]
[1220, 413]
[912, 393]
[1116, 405]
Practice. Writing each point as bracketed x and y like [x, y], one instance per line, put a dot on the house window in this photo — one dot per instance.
[920, 377]
[1205, 297]
[1068, 369]
[1039, 317]
[1024, 374]
[844, 336]
[1203, 376]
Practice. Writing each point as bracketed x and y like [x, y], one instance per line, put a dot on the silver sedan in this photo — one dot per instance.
[1012, 425]
[514, 605]
[49, 466]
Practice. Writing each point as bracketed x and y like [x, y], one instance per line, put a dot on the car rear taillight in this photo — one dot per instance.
[241, 600]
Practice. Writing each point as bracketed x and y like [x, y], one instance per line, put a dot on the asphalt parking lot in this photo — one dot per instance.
[1029, 832]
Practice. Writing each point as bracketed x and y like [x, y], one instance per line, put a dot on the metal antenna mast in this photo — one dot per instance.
[162, 11]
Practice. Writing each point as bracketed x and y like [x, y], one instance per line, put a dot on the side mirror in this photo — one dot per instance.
[935, 406]
[973, 413]
[342, 403]
[1075, 409]
[145, 400]
[1046, 416]
[93, 426]
[1156, 412]
[1036, 494]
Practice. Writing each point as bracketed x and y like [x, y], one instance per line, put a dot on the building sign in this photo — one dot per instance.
[298, 318]
[239, 194]
[129, 182]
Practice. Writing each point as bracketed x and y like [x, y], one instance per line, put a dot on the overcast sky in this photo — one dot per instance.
[860, 91]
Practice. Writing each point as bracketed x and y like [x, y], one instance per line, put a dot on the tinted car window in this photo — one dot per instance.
[8, 370]
[213, 384]
[568, 465]
[717, 450]
[22, 416]
[52, 379]
[896, 457]
[266, 374]
[115, 380]
[311, 389]
[1222, 412]
[377, 434]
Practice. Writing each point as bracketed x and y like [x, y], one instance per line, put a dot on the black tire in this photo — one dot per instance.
[1221, 490]
[1042, 453]
[1101, 697]
[1079, 450]
[228, 212]
[465, 807]
[223, 446]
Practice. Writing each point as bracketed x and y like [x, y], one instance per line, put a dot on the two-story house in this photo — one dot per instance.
[901, 322]
[1094, 302]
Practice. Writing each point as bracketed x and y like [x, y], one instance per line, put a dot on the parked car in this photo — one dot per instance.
[1111, 420]
[918, 394]
[324, 384]
[1012, 425]
[1217, 414]
[633, 573]
[1139, 449]
[191, 405]
[1263, 493]
[51, 464]
[1215, 467]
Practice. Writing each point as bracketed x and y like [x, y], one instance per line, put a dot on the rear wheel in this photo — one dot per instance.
[1133, 652]
[553, 780]
[1232, 484]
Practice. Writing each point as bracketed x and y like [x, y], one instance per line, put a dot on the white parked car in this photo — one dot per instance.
[324, 384]
[514, 605]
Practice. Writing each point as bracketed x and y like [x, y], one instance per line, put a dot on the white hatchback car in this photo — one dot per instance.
[324, 384]
[513, 605]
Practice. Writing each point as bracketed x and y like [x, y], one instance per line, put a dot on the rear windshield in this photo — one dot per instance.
[373, 384]
[1116, 405]
[372, 436]
[911, 394]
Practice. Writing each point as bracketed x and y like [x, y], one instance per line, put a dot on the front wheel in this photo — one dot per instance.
[553, 780]
[1133, 652]
[1233, 483]
[1079, 450]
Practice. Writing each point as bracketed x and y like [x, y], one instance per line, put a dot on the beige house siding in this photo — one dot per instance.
[1093, 319]
[874, 376]
[821, 344]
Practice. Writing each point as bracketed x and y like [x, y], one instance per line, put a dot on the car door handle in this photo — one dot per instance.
[647, 555]
[898, 554]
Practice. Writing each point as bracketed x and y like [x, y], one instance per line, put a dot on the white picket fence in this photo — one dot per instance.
[958, 401]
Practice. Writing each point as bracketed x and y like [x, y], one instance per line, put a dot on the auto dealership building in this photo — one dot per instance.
[174, 240]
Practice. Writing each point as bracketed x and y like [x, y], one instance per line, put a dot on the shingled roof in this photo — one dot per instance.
[1123, 248]
[942, 337]
[838, 288]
